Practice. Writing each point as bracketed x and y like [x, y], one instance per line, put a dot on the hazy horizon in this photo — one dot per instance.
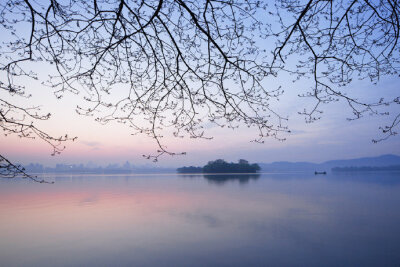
[150, 165]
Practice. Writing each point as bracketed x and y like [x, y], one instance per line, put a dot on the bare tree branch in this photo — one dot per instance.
[178, 64]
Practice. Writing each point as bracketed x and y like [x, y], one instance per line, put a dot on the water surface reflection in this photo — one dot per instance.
[170, 220]
[242, 178]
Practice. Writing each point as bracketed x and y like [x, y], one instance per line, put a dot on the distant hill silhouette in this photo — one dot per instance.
[380, 161]
[367, 169]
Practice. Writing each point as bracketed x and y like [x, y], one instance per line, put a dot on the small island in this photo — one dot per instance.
[221, 166]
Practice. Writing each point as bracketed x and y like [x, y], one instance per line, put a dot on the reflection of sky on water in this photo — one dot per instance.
[274, 219]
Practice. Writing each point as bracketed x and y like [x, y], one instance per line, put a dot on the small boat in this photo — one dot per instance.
[319, 173]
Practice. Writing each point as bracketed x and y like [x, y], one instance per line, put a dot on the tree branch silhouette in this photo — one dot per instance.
[176, 64]
[342, 40]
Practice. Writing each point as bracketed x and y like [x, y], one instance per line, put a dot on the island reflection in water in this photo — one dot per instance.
[170, 220]
[242, 178]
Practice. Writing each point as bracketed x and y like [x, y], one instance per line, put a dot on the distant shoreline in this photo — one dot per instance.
[393, 168]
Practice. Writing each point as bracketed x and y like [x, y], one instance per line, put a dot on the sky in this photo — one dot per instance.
[331, 137]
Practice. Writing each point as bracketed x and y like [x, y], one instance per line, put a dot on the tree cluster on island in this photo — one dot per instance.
[221, 166]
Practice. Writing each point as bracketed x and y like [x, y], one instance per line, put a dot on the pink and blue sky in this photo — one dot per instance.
[332, 137]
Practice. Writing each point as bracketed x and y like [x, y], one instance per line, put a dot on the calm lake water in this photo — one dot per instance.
[196, 220]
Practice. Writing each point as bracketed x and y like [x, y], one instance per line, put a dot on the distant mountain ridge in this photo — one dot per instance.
[383, 160]
[380, 161]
